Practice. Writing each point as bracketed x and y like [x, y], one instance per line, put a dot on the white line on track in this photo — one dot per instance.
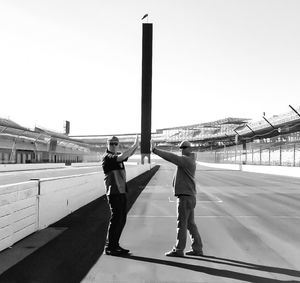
[213, 216]
[218, 200]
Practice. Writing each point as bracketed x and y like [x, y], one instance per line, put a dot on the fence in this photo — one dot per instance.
[277, 154]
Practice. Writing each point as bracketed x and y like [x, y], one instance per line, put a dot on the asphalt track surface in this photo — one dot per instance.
[249, 224]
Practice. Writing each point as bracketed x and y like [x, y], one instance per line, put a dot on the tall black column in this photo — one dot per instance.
[146, 91]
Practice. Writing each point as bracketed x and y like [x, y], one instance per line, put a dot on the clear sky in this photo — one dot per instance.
[80, 60]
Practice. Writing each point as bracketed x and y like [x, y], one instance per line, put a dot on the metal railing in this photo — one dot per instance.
[280, 153]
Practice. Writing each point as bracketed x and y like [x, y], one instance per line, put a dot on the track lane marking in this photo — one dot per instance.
[212, 216]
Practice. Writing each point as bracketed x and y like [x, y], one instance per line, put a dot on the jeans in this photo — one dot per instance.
[186, 221]
[118, 208]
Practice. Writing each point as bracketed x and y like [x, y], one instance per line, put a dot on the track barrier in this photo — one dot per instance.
[34, 205]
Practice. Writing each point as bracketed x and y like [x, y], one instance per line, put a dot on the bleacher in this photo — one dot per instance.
[213, 134]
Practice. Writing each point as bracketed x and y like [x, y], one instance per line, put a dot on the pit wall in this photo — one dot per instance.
[264, 169]
[18, 212]
[275, 170]
[34, 205]
[32, 166]
[42, 166]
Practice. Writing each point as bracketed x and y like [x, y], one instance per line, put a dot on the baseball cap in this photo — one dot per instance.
[113, 139]
[185, 144]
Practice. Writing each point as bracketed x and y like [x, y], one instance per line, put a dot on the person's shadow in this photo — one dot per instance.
[223, 272]
[243, 264]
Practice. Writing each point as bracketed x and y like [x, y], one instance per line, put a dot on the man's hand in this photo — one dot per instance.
[130, 151]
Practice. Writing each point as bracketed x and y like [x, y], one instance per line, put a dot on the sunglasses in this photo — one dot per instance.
[184, 147]
[113, 143]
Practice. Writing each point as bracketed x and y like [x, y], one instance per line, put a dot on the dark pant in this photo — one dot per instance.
[118, 208]
[186, 221]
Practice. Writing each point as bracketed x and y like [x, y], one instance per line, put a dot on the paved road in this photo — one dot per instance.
[23, 176]
[249, 223]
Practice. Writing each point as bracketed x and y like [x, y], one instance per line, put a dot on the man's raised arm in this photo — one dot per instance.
[127, 153]
[169, 156]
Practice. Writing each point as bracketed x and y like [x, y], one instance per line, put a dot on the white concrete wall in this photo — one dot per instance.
[39, 166]
[61, 196]
[31, 166]
[30, 206]
[275, 170]
[18, 212]
[220, 165]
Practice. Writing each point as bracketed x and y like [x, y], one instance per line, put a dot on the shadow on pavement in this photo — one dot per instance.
[231, 262]
[70, 256]
[211, 271]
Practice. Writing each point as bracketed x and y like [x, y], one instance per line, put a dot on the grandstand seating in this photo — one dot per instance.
[210, 134]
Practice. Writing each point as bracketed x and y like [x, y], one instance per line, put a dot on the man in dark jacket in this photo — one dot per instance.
[185, 191]
[115, 183]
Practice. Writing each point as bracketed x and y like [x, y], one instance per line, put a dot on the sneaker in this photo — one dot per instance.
[196, 253]
[174, 253]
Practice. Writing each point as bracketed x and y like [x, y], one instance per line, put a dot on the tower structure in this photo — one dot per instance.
[146, 90]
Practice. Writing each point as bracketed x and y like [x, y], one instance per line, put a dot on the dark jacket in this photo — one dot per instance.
[184, 178]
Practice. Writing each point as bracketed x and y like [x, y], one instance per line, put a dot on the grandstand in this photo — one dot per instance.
[173, 136]
[272, 140]
[21, 145]
[215, 134]
[203, 134]
[236, 136]
[7, 123]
